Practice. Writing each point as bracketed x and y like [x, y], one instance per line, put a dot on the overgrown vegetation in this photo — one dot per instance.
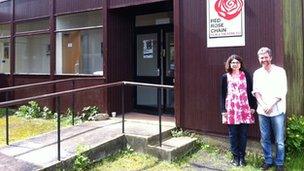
[127, 159]
[89, 112]
[3, 111]
[22, 128]
[295, 135]
[82, 162]
[295, 142]
[33, 110]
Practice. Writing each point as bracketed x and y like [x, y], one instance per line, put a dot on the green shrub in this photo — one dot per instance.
[178, 132]
[33, 110]
[294, 135]
[89, 112]
[3, 112]
[82, 162]
[47, 113]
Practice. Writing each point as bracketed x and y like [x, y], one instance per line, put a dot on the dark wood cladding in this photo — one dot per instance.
[28, 9]
[82, 99]
[126, 3]
[68, 6]
[200, 98]
[5, 11]
[119, 57]
[3, 83]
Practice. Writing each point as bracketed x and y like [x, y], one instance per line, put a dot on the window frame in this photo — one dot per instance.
[79, 29]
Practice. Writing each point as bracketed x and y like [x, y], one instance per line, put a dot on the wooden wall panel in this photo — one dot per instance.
[3, 83]
[28, 9]
[294, 55]
[120, 57]
[67, 6]
[82, 99]
[5, 11]
[126, 3]
[200, 98]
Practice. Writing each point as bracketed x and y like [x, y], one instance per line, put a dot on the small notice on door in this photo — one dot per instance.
[147, 49]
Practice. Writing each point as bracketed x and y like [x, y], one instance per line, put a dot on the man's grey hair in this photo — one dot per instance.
[264, 50]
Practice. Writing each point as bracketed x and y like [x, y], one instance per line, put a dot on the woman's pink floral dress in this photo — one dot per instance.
[237, 105]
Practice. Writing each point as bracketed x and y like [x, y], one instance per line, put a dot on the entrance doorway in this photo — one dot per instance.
[154, 64]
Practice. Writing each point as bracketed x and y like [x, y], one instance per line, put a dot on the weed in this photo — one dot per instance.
[33, 110]
[179, 132]
[89, 112]
[3, 112]
[294, 135]
[82, 162]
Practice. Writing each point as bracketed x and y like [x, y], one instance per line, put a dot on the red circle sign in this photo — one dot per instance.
[228, 9]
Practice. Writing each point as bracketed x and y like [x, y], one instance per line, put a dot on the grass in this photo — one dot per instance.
[130, 160]
[202, 155]
[21, 128]
[296, 163]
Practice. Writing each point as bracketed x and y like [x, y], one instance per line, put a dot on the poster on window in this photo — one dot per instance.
[225, 23]
[147, 49]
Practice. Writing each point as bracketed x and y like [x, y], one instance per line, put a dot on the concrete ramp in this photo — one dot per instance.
[102, 138]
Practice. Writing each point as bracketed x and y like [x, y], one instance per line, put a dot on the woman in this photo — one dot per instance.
[237, 106]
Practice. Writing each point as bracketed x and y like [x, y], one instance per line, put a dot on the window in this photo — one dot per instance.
[4, 30]
[79, 52]
[154, 19]
[33, 54]
[32, 26]
[4, 56]
[79, 20]
[79, 44]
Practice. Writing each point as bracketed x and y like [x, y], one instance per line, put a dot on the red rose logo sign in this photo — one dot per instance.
[225, 23]
[228, 9]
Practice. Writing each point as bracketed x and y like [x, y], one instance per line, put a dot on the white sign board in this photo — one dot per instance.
[147, 49]
[225, 23]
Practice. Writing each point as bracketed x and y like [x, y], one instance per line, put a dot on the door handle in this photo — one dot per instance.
[157, 71]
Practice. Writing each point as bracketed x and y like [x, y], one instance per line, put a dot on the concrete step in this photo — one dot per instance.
[172, 148]
[140, 142]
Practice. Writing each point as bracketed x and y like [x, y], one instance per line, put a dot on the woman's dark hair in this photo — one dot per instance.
[231, 58]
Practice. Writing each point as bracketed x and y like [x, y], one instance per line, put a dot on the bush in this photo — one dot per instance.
[82, 162]
[89, 112]
[3, 112]
[33, 110]
[294, 135]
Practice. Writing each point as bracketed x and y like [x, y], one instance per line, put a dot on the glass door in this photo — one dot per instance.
[147, 69]
[154, 64]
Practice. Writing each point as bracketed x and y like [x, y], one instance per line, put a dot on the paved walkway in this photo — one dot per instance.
[41, 151]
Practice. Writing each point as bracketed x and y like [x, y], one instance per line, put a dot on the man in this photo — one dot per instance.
[270, 89]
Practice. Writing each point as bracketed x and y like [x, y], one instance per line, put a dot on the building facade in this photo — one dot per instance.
[153, 41]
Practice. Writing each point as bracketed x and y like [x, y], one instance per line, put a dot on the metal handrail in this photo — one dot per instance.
[42, 83]
[159, 109]
[103, 86]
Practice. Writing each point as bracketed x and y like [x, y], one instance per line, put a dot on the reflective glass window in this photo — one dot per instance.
[33, 54]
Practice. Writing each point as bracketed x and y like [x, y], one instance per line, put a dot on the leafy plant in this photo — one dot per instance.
[178, 132]
[89, 112]
[3, 111]
[33, 110]
[47, 113]
[82, 162]
[294, 135]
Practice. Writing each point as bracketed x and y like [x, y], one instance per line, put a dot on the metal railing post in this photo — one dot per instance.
[58, 125]
[73, 104]
[7, 120]
[123, 107]
[159, 114]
